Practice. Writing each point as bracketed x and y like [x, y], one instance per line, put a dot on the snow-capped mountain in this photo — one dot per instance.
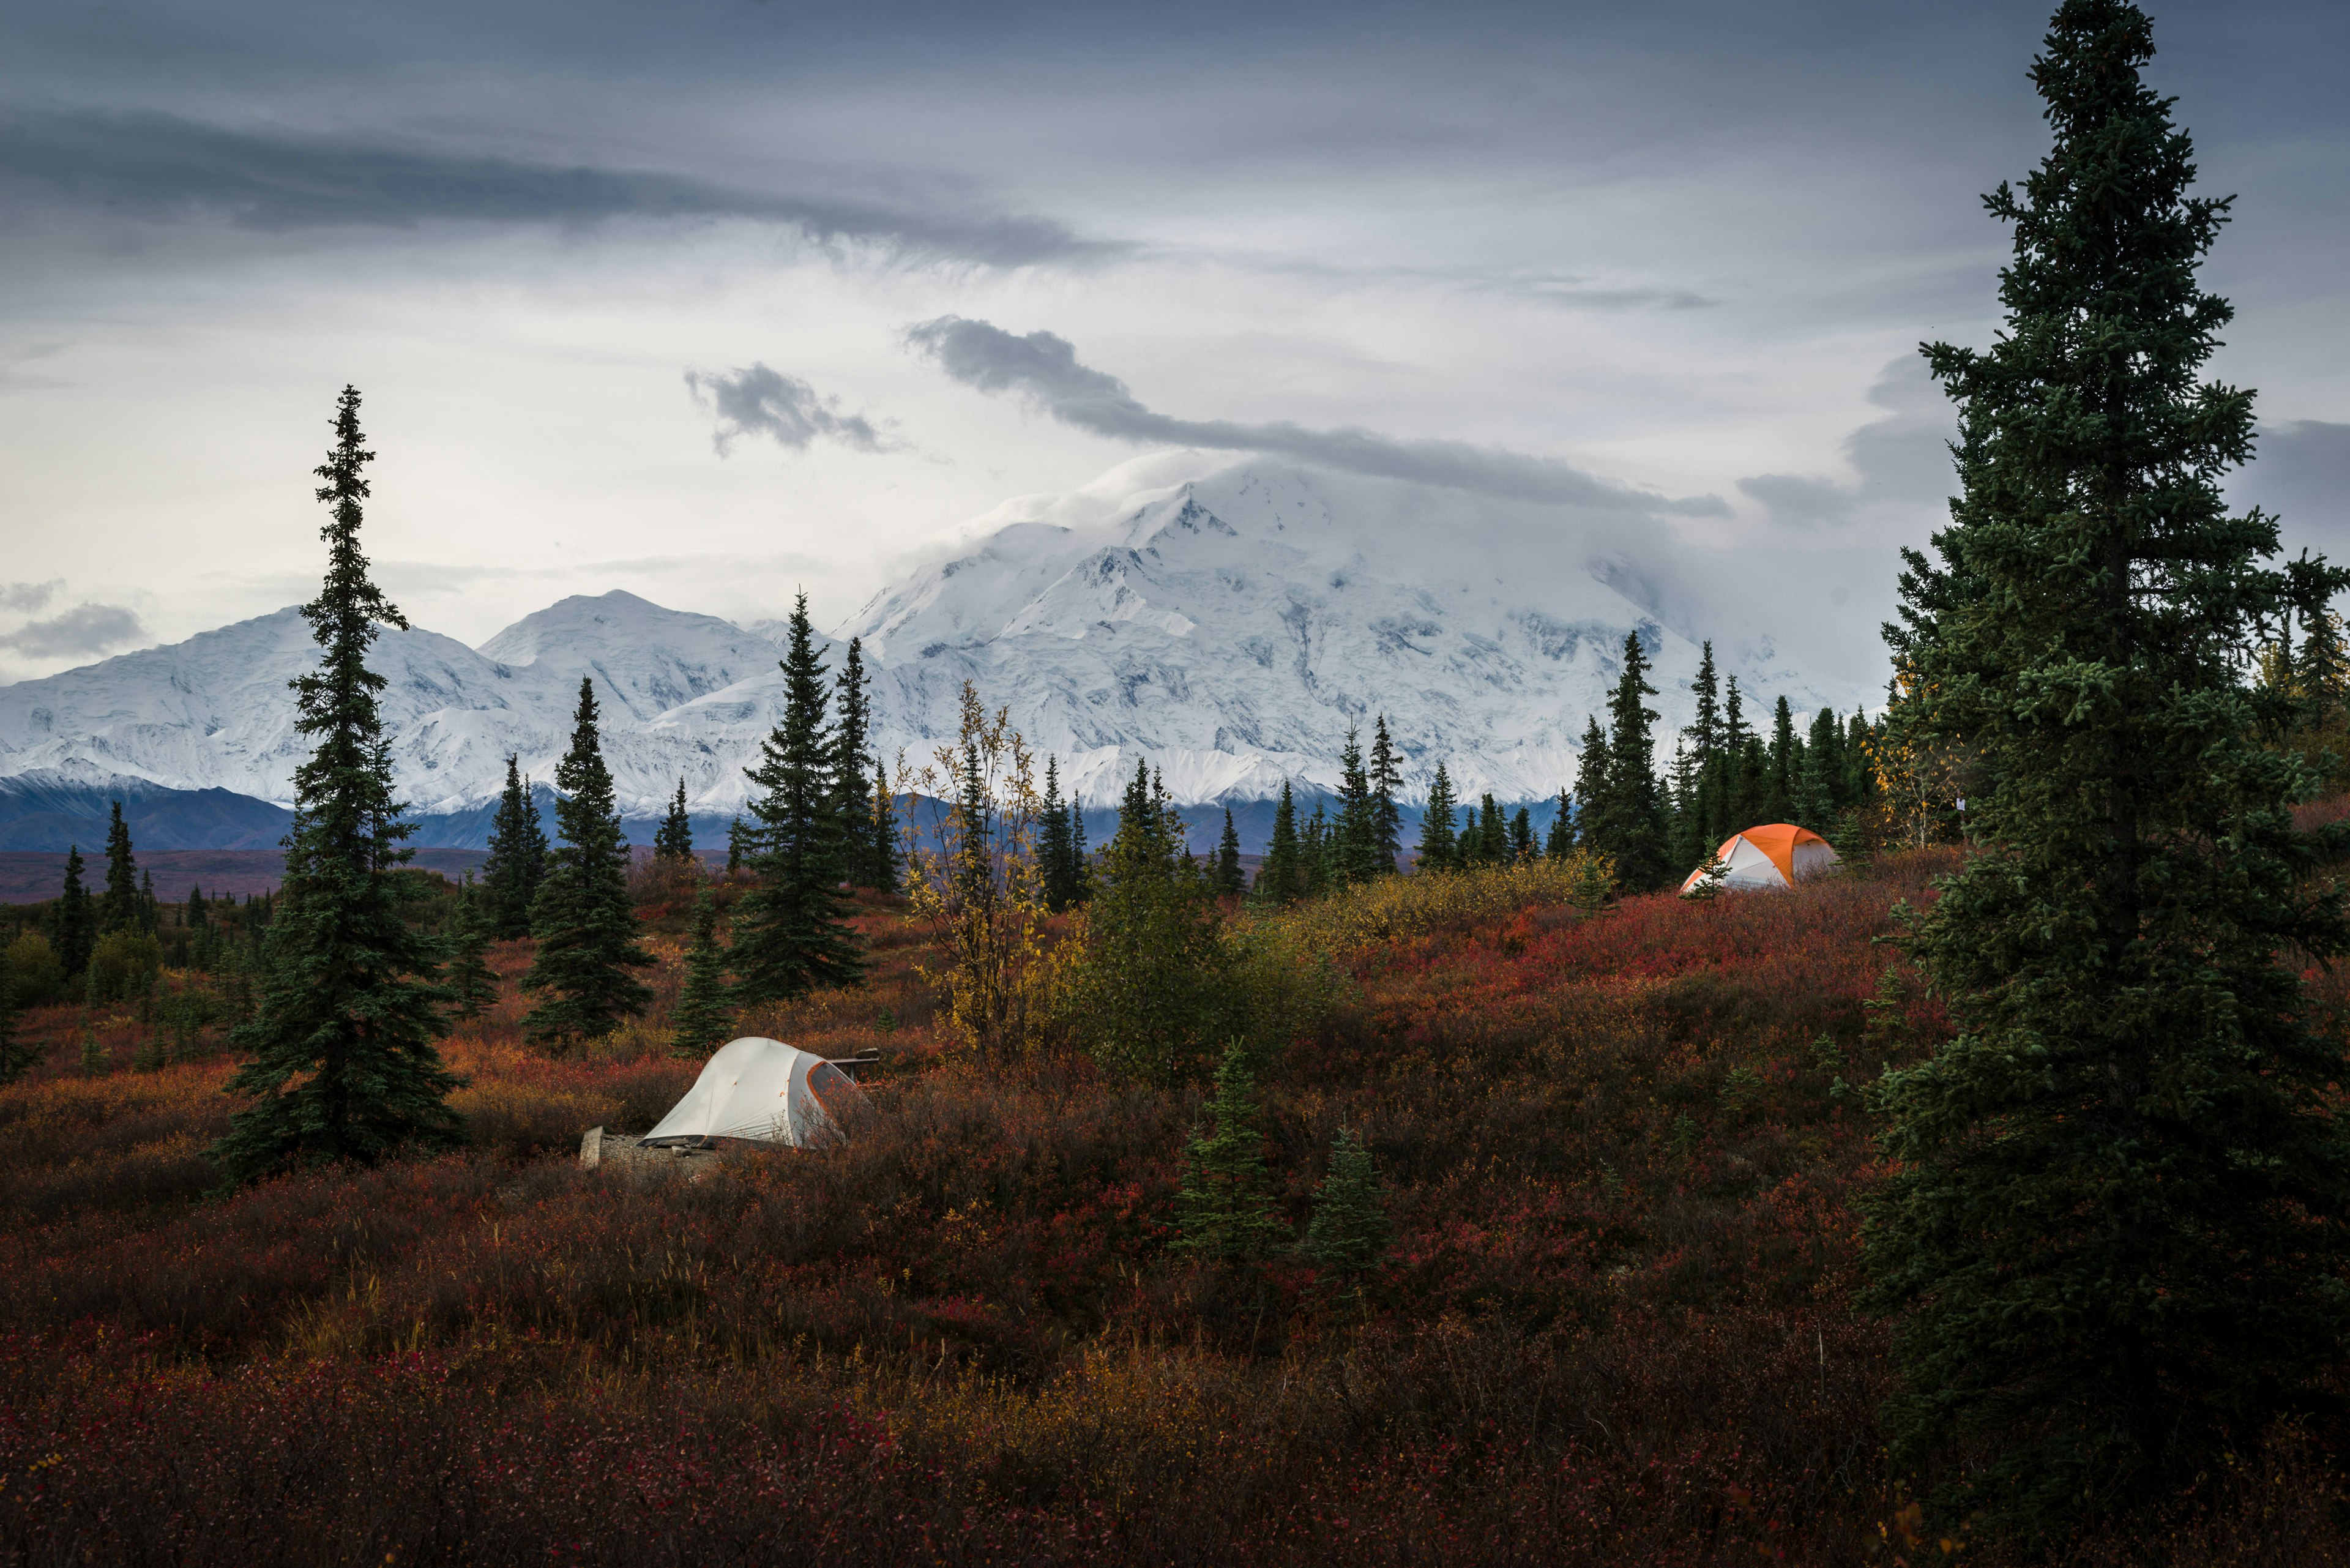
[1228, 621]
[1233, 624]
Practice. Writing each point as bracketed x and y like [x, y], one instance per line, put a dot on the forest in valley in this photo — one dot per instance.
[1982, 1196]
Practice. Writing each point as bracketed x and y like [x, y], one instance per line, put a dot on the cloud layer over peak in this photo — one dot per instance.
[1043, 368]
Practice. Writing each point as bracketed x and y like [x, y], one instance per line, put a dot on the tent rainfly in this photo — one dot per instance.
[1777, 856]
[762, 1090]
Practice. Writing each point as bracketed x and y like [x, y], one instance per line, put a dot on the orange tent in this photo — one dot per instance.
[1777, 854]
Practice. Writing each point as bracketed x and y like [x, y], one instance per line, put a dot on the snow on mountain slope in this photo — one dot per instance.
[1230, 625]
[214, 711]
[646, 658]
[1226, 620]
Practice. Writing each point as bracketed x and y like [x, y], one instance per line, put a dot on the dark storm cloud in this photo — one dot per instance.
[27, 598]
[763, 402]
[1043, 368]
[162, 167]
[85, 628]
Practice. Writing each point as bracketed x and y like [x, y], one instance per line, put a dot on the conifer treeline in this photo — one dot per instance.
[1653, 823]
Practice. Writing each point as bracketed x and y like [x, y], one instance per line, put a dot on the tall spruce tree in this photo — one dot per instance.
[1592, 767]
[673, 839]
[1387, 787]
[1631, 825]
[1493, 832]
[119, 906]
[1818, 793]
[1057, 866]
[2114, 1222]
[853, 769]
[1560, 842]
[1317, 862]
[1521, 834]
[517, 858]
[704, 1018]
[1439, 851]
[1355, 835]
[1781, 785]
[73, 922]
[585, 922]
[1281, 879]
[342, 1062]
[1228, 878]
[791, 933]
[1704, 731]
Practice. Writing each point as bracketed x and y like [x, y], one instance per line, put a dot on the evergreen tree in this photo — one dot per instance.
[73, 922]
[738, 840]
[1348, 1231]
[1224, 1206]
[1228, 878]
[119, 908]
[197, 914]
[1705, 733]
[1281, 879]
[1560, 843]
[1057, 864]
[1786, 764]
[342, 1062]
[1592, 766]
[1387, 784]
[2114, 1217]
[517, 858]
[791, 933]
[1630, 823]
[1469, 848]
[1355, 835]
[1685, 806]
[1438, 851]
[1818, 794]
[586, 925]
[1493, 833]
[472, 982]
[1316, 858]
[1153, 991]
[1521, 835]
[882, 828]
[150, 913]
[853, 769]
[673, 839]
[704, 1019]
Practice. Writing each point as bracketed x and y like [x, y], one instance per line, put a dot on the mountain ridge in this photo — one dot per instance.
[1224, 622]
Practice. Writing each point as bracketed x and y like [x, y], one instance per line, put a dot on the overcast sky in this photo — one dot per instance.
[714, 299]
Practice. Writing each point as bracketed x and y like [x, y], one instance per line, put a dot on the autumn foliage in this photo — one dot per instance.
[1614, 1323]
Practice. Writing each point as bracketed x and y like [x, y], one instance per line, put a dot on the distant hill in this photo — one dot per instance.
[30, 876]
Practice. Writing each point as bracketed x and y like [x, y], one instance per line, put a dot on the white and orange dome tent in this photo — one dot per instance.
[1778, 854]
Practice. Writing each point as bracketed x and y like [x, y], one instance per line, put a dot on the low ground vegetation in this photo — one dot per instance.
[1617, 1152]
